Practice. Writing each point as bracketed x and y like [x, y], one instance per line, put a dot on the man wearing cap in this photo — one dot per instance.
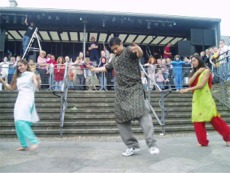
[93, 52]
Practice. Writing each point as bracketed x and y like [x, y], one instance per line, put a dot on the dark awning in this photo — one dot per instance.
[57, 25]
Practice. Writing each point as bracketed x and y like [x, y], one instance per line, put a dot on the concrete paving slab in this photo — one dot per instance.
[103, 154]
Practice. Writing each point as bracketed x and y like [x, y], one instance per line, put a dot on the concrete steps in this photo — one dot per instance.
[94, 114]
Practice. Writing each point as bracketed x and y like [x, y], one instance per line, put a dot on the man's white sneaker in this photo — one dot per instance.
[154, 150]
[130, 151]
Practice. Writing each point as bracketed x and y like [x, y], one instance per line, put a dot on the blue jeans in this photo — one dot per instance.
[70, 85]
[103, 81]
[161, 85]
[25, 42]
[10, 76]
[178, 81]
[80, 81]
[58, 85]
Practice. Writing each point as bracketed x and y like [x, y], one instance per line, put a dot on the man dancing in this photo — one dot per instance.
[130, 103]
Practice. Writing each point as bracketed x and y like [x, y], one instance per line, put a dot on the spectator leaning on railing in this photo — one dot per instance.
[59, 70]
[42, 65]
[151, 67]
[102, 75]
[160, 79]
[79, 70]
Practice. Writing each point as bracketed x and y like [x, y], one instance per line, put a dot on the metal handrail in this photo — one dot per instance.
[161, 101]
[222, 97]
[64, 92]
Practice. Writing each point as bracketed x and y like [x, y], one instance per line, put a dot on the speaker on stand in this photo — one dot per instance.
[185, 48]
[202, 38]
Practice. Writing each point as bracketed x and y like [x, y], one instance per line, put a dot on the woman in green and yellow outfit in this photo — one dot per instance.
[203, 105]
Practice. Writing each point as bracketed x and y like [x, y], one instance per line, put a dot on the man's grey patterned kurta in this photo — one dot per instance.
[130, 102]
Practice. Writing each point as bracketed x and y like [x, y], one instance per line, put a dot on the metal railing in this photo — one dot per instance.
[63, 96]
[97, 81]
[221, 80]
[163, 95]
[106, 81]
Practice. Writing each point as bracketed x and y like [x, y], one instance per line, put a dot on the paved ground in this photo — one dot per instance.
[178, 154]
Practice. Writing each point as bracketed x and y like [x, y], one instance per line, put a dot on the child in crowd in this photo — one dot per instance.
[42, 59]
[166, 72]
[160, 79]
[68, 60]
[33, 68]
[51, 62]
[186, 70]
[165, 69]
[170, 72]
[47, 62]
[50, 69]
[12, 67]
[151, 67]
[18, 58]
[144, 80]
[71, 76]
[177, 70]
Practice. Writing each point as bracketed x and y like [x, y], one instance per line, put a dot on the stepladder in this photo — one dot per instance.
[30, 47]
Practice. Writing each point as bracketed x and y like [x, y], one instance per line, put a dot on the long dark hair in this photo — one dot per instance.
[17, 73]
[200, 64]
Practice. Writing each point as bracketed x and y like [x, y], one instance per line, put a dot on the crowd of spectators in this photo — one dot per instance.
[168, 72]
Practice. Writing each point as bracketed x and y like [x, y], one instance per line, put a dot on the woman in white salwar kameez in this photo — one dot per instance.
[24, 110]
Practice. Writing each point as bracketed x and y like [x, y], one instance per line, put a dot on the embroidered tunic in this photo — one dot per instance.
[203, 104]
[130, 101]
[24, 108]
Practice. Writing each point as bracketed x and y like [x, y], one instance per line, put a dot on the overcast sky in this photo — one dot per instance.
[195, 8]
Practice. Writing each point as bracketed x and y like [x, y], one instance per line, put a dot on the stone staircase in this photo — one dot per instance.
[91, 113]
